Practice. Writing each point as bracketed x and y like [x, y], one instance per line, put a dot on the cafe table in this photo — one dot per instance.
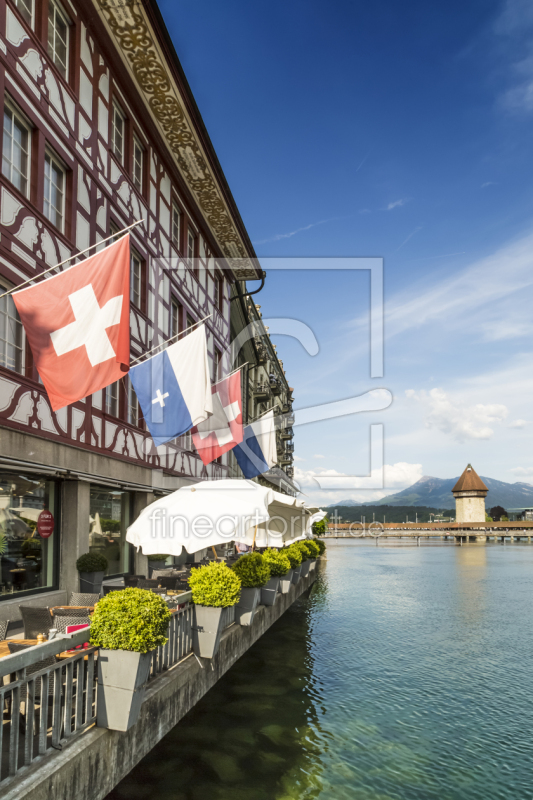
[4, 647]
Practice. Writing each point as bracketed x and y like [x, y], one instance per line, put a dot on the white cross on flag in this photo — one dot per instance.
[223, 430]
[78, 325]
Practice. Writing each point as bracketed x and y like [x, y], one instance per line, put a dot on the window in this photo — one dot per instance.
[136, 279]
[113, 231]
[190, 247]
[16, 149]
[175, 318]
[217, 364]
[58, 33]
[219, 292]
[10, 334]
[185, 440]
[190, 323]
[109, 517]
[28, 561]
[118, 124]
[26, 10]
[111, 399]
[138, 164]
[133, 406]
[176, 226]
[54, 191]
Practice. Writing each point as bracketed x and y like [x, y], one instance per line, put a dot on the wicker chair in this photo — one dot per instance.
[3, 630]
[62, 622]
[35, 620]
[70, 612]
[81, 599]
[131, 581]
[108, 589]
[148, 584]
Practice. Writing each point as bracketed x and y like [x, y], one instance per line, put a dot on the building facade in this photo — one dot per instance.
[101, 131]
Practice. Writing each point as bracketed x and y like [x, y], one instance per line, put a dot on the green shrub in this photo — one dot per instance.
[294, 555]
[30, 546]
[215, 585]
[91, 562]
[278, 562]
[313, 547]
[253, 570]
[110, 525]
[157, 557]
[321, 527]
[321, 546]
[304, 549]
[131, 619]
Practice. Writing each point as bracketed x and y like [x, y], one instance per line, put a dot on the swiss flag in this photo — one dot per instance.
[223, 430]
[78, 325]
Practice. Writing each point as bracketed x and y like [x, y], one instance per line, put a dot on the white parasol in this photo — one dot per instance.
[216, 512]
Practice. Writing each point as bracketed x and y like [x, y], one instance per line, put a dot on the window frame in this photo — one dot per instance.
[19, 347]
[109, 396]
[31, 21]
[138, 145]
[60, 164]
[59, 9]
[177, 212]
[136, 256]
[116, 108]
[24, 122]
[132, 405]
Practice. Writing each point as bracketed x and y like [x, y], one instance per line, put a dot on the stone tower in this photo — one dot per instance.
[470, 493]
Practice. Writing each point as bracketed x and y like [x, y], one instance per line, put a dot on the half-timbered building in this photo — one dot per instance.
[100, 131]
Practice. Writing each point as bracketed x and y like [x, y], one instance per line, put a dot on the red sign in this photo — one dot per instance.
[45, 524]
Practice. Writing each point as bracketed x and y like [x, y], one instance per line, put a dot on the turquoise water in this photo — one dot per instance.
[405, 674]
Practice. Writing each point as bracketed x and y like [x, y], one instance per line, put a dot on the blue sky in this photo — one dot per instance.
[399, 130]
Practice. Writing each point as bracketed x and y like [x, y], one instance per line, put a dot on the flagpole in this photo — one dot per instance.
[234, 371]
[81, 252]
[167, 341]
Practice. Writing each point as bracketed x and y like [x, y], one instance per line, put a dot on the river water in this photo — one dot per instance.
[405, 674]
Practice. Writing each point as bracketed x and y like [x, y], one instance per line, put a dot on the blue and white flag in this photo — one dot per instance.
[174, 387]
[256, 453]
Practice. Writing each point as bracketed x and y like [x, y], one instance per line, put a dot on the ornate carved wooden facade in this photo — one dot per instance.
[117, 65]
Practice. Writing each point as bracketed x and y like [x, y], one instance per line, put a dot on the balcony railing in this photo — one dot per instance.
[286, 433]
[289, 448]
[275, 386]
[47, 701]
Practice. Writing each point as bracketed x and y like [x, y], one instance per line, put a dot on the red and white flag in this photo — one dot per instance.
[223, 429]
[78, 325]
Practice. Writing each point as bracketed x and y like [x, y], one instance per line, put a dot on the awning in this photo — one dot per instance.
[216, 512]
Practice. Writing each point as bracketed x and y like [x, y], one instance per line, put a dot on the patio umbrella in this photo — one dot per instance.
[215, 512]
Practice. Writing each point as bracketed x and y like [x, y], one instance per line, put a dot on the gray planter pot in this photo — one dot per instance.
[285, 582]
[312, 565]
[296, 574]
[155, 565]
[269, 592]
[122, 677]
[304, 569]
[246, 607]
[91, 582]
[228, 616]
[207, 627]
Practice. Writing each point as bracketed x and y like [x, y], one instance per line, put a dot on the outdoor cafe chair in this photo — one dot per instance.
[131, 581]
[62, 621]
[35, 620]
[3, 629]
[151, 583]
[81, 599]
[108, 589]
[49, 661]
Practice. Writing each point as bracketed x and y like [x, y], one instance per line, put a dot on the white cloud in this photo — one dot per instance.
[397, 203]
[396, 477]
[298, 458]
[518, 423]
[454, 418]
[317, 455]
[522, 472]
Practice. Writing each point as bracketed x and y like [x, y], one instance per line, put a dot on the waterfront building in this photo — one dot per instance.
[470, 493]
[265, 385]
[101, 130]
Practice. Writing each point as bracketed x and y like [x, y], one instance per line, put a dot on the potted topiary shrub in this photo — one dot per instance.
[321, 546]
[127, 626]
[254, 573]
[92, 567]
[306, 558]
[315, 552]
[156, 561]
[215, 589]
[294, 555]
[280, 572]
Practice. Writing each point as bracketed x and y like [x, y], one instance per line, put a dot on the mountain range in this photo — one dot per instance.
[437, 493]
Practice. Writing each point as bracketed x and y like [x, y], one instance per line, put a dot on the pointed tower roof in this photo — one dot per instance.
[470, 482]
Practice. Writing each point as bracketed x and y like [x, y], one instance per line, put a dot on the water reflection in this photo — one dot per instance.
[254, 736]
